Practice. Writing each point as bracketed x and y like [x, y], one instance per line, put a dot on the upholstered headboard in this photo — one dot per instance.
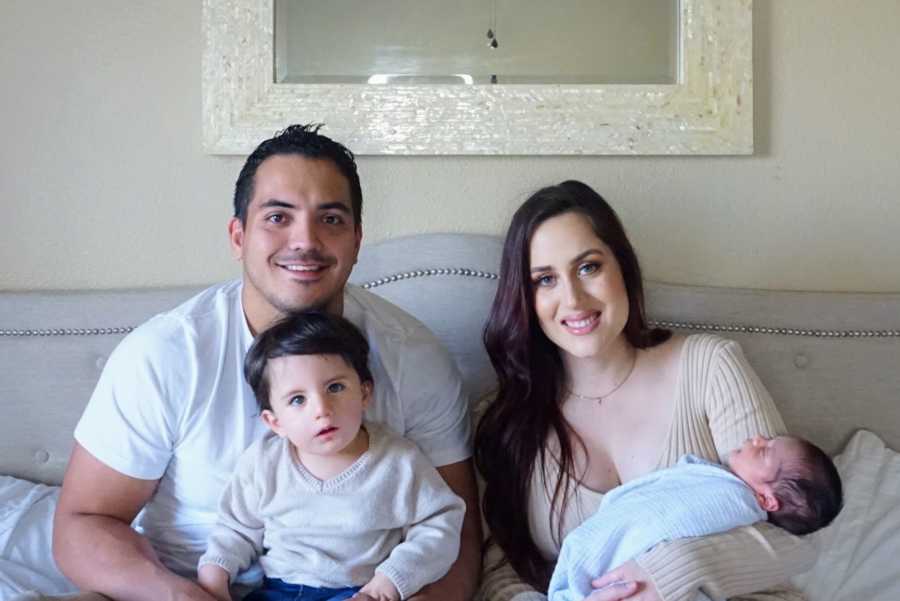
[830, 360]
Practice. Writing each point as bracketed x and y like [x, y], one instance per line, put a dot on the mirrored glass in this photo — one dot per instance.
[476, 41]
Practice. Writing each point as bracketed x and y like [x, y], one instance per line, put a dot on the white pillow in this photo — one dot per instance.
[859, 553]
[26, 531]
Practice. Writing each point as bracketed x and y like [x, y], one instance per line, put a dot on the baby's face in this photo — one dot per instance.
[759, 461]
[317, 402]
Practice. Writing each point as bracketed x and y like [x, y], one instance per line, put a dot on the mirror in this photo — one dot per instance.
[543, 91]
[471, 42]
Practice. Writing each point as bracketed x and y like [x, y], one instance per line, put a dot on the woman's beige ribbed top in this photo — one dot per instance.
[719, 403]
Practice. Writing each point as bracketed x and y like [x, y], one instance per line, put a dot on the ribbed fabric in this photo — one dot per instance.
[720, 402]
[693, 498]
[730, 565]
[503, 583]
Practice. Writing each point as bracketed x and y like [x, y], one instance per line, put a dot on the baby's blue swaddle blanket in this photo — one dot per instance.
[692, 498]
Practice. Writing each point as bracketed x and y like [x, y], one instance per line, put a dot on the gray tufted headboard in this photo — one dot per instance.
[830, 360]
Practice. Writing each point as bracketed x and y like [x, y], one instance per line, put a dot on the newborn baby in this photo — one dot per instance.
[787, 480]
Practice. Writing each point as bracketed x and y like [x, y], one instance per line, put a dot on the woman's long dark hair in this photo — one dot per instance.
[511, 439]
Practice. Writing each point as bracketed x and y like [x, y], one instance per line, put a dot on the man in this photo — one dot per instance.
[172, 412]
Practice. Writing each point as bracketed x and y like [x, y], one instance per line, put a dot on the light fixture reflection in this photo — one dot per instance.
[397, 78]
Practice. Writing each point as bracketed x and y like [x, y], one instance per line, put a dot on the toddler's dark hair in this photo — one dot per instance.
[305, 333]
[809, 491]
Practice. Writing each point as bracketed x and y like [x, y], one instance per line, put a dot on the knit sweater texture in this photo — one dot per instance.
[719, 403]
[389, 511]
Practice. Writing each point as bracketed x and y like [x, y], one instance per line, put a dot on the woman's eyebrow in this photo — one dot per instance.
[587, 253]
[579, 257]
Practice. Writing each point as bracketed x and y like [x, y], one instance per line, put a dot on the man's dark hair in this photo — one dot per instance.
[304, 333]
[305, 141]
[809, 491]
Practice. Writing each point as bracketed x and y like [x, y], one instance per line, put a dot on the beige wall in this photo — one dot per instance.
[103, 183]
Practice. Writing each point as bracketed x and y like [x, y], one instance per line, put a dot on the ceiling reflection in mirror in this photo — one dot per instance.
[409, 42]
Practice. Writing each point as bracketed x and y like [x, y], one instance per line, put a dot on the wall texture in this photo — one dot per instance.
[103, 183]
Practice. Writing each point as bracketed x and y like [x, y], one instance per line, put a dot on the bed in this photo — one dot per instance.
[830, 361]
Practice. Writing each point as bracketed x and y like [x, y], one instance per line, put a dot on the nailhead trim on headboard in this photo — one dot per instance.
[68, 331]
[429, 272]
[675, 325]
[714, 327]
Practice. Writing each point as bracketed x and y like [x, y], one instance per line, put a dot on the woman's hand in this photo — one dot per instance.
[628, 581]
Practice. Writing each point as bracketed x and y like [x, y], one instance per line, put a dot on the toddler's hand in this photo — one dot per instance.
[380, 588]
[214, 581]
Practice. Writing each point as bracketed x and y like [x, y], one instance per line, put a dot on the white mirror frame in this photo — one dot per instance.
[709, 111]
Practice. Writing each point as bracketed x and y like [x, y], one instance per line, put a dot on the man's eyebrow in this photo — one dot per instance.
[274, 202]
[335, 205]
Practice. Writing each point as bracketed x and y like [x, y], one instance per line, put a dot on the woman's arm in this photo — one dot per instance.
[735, 563]
[500, 582]
[744, 560]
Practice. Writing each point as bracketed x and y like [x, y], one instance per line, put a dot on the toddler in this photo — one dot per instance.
[328, 504]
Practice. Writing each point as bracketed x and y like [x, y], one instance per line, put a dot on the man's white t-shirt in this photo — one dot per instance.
[172, 405]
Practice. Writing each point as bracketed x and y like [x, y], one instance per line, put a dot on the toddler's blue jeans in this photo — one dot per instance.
[274, 589]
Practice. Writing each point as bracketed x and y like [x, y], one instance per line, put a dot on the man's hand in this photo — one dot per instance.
[379, 588]
[214, 581]
[94, 544]
[187, 590]
[628, 581]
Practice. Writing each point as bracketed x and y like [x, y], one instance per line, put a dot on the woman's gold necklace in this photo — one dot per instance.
[601, 397]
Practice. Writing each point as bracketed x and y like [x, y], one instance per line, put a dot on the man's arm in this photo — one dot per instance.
[461, 581]
[94, 544]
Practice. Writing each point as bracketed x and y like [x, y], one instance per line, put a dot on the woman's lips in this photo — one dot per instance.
[582, 324]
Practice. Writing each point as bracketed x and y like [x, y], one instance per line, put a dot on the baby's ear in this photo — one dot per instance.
[270, 419]
[367, 393]
[767, 499]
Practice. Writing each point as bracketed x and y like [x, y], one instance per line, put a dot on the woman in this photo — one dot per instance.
[590, 396]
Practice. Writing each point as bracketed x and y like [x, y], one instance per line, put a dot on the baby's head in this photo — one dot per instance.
[794, 481]
[310, 375]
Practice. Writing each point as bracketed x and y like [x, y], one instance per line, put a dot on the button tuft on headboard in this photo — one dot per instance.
[801, 361]
[41, 456]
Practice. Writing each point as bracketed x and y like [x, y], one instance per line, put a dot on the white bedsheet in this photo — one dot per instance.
[26, 527]
[857, 559]
[858, 552]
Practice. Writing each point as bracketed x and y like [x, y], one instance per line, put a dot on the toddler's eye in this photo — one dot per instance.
[336, 387]
[297, 399]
